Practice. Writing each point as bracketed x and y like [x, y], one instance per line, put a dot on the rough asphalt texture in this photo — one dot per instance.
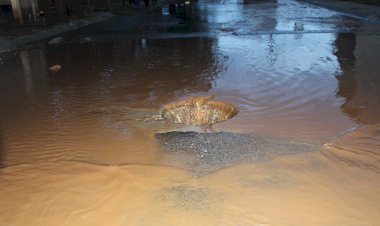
[371, 13]
[213, 151]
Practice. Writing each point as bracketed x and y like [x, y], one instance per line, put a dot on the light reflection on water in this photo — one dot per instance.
[284, 86]
[283, 83]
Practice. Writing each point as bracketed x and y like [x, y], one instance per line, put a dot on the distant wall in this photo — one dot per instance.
[53, 11]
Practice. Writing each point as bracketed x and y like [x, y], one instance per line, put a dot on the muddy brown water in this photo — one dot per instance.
[73, 150]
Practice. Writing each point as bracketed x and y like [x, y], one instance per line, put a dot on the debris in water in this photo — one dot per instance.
[55, 68]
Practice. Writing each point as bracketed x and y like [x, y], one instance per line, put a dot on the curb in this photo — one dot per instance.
[7, 45]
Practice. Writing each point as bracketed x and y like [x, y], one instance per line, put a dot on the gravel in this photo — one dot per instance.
[213, 151]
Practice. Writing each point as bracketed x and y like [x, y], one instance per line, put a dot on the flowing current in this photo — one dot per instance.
[304, 149]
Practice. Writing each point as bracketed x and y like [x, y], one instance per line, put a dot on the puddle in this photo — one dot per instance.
[74, 149]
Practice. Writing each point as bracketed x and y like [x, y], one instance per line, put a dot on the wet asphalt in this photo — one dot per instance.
[228, 17]
[213, 151]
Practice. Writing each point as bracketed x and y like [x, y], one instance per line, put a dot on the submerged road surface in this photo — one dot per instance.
[303, 150]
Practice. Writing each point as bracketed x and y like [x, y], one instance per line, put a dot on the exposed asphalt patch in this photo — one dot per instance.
[189, 197]
[213, 151]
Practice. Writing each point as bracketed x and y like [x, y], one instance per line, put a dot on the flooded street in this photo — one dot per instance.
[303, 150]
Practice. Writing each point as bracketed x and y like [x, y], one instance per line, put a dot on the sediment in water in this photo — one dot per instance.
[213, 151]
